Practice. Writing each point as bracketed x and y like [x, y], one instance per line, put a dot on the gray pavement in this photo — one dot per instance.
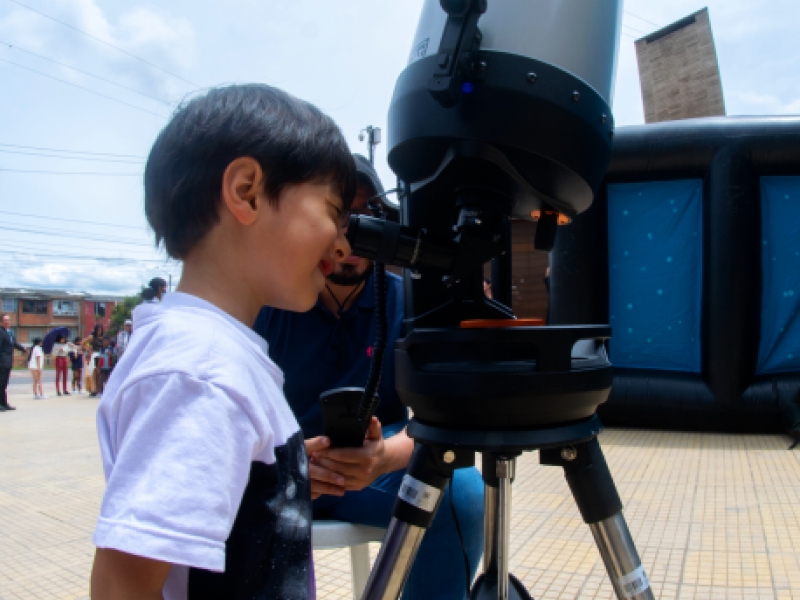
[714, 516]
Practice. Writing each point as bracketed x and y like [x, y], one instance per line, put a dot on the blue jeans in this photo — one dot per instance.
[438, 571]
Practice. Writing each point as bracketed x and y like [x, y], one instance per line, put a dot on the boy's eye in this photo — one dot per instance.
[339, 214]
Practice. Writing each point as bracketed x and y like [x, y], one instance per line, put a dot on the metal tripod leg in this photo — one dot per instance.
[418, 499]
[505, 473]
[621, 559]
[496, 583]
[596, 496]
[389, 574]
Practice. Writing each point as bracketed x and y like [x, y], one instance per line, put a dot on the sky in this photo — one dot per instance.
[86, 85]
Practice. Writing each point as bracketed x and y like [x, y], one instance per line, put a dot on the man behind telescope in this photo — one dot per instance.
[330, 347]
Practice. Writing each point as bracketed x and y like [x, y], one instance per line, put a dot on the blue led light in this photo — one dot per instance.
[467, 87]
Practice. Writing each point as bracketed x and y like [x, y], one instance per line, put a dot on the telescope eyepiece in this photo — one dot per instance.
[392, 244]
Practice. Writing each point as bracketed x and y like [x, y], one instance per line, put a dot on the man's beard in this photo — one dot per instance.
[349, 277]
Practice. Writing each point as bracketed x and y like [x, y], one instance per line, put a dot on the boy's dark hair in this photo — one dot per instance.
[292, 140]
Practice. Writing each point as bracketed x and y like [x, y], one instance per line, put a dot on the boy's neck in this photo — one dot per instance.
[206, 278]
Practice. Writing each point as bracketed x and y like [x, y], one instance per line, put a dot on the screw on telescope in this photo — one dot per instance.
[531, 77]
[569, 453]
[576, 95]
[449, 456]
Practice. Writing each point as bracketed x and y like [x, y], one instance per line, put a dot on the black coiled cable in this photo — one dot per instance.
[369, 401]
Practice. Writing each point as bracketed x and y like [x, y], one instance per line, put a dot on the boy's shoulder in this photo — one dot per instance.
[184, 334]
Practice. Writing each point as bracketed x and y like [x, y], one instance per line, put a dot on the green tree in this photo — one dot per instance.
[122, 311]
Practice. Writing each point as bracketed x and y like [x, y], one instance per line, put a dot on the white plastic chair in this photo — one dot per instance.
[338, 534]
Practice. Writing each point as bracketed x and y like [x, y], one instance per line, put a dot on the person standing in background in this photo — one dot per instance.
[7, 346]
[159, 287]
[76, 358]
[61, 350]
[88, 372]
[96, 337]
[36, 364]
[123, 337]
[103, 360]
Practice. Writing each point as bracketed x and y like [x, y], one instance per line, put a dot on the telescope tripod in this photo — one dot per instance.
[438, 452]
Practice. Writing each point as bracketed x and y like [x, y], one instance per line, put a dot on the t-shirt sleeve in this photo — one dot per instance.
[181, 451]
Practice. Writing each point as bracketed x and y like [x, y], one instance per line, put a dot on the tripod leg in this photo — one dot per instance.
[496, 583]
[505, 473]
[421, 492]
[596, 496]
[621, 559]
[397, 553]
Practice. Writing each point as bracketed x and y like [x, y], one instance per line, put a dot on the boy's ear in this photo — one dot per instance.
[242, 183]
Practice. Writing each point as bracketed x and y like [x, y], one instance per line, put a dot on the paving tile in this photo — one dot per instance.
[714, 516]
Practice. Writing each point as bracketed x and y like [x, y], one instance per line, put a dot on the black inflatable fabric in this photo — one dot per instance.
[730, 155]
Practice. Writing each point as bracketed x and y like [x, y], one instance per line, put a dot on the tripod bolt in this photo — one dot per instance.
[569, 453]
[449, 456]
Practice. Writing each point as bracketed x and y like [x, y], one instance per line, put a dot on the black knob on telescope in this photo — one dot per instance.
[459, 8]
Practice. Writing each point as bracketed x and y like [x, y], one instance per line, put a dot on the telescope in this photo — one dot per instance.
[503, 112]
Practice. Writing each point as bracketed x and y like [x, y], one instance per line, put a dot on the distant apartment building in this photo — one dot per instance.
[679, 72]
[35, 312]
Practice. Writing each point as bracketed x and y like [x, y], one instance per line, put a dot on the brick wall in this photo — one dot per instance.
[89, 321]
[529, 297]
[679, 71]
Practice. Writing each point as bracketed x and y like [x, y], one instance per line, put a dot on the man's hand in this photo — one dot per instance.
[323, 480]
[358, 467]
[120, 576]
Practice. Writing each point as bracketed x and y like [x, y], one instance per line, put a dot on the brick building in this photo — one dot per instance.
[679, 72]
[529, 297]
[35, 312]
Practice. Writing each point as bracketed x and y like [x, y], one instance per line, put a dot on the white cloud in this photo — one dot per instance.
[99, 277]
[754, 103]
[146, 32]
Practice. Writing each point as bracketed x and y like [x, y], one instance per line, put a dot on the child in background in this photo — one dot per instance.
[36, 364]
[208, 494]
[88, 372]
[76, 360]
[60, 350]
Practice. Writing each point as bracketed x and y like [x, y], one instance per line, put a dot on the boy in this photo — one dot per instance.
[76, 360]
[208, 493]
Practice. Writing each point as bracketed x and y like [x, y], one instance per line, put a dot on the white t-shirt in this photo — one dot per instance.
[204, 460]
[88, 367]
[37, 351]
[62, 349]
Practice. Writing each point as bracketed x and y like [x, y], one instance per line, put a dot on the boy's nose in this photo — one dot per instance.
[341, 247]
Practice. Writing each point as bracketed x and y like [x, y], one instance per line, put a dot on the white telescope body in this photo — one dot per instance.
[578, 36]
